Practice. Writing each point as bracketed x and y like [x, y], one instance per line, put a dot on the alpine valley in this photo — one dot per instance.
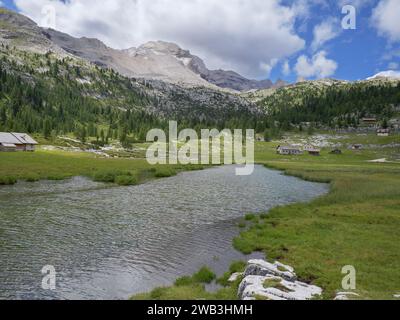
[53, 83]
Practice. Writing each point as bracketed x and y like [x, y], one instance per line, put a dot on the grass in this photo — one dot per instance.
[59, 165]
[276, 284]
[193, 287]
[357, 223]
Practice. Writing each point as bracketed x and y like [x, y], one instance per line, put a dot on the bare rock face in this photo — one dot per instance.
[264, 280]
[276, 288]
[20, 31]
[155, 60]
[263, 268]
[346, 296]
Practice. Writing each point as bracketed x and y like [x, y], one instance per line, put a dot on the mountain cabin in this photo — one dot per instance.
[284, 150]
[11, 141]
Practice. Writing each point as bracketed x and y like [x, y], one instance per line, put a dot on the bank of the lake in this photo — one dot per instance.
[356, 224]
[61, 165]
[107, 242]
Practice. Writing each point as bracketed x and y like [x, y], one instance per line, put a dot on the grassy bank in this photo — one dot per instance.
[58, 165]
[356, 224]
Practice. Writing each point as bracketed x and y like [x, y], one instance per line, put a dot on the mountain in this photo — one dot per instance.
[386, 74]
[330, 102]
[155, 60]
[20, 31]
[48, 87]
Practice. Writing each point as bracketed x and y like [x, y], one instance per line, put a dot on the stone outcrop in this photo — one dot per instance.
[274, 281]
[346, 296]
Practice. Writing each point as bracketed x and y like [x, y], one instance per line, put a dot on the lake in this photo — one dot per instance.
[109, 242]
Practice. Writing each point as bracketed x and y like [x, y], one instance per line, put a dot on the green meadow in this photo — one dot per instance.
[356, 224]
[59, 165]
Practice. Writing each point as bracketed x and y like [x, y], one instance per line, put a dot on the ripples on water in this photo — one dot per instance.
[110, 242]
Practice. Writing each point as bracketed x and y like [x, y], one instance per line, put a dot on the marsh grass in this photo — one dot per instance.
[193, 287]
[60, 165]
[357, 223]
[7, 180]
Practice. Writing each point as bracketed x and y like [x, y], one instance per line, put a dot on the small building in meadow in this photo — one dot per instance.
[12, 141]
[314, 152]
[383, 132]
[309, 147]
[336, 151]
[357, 147]
[371, 122]
[288, 150]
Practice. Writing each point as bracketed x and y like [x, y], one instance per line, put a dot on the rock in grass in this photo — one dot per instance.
[345, 295]
[274, 281]
[276, 288]
[263, 268]
[235, 276]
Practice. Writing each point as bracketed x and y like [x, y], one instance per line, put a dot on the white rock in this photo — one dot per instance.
[345, 295]
[235, 276]
[253, 287]
[341, 298]
[263, 268]
[397, 296]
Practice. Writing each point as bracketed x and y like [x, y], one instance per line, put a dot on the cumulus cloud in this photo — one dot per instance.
[286, 68]
[246, 36]
[324, 32]
[358, 4]
[318, 66]
[385, 19]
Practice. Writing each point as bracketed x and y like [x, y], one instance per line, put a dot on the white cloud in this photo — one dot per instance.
[286, 68]
[358, 4]
[324, 32]
[316, 67]
[231, 34]
[393, 65]
[385, 19]
[267, 67]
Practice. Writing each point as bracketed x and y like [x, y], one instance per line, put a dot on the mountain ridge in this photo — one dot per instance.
[154, 60]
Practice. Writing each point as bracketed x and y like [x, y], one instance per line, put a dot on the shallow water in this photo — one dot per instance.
[111, 242]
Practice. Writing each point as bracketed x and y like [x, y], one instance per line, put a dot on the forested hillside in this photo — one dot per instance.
[49, 95]
[332, 103]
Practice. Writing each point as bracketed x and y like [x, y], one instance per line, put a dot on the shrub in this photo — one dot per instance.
[104, 177]
[33, 177]
[126, 180]
[184, 281]
[250, 217]
[237, 266]
[8, 180]
[157, 293]
[204, 275]
[164, 172]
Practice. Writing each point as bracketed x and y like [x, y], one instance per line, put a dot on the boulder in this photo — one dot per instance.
[263, 268]
[235, 276]
[346, 295]
[276, 288]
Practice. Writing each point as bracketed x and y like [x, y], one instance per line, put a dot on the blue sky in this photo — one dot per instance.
[279, 39]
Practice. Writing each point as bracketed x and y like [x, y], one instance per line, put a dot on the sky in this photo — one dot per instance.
[276, 39]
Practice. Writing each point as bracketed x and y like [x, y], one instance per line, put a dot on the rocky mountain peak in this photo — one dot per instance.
[154, 60]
